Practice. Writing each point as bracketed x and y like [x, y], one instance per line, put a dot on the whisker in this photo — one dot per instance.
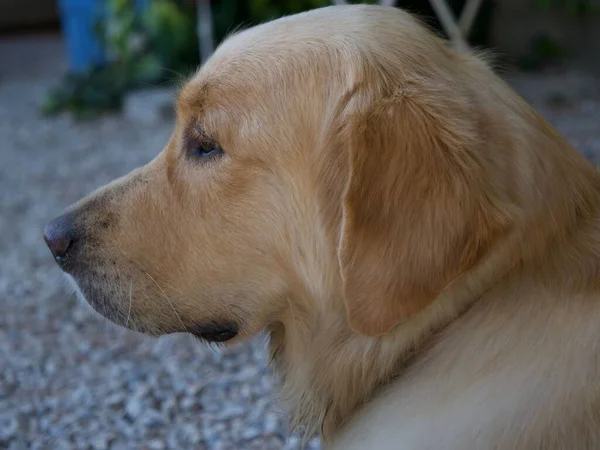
[179, 75]
[130, 301]
[168, 300]
[177, 291]
[291, 308]
[125, 330]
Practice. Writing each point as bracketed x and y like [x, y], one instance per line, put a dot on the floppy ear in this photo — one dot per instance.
[412, 221]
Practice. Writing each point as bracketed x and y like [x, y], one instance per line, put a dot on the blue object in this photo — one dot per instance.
[141, 4]
[79, 19]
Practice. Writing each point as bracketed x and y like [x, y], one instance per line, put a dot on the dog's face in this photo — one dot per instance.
[207, 237]
[313, 158]
[197, 240]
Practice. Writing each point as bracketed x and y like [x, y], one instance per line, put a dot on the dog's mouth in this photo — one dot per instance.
[215, 332]
[212, 332]
[115, 294]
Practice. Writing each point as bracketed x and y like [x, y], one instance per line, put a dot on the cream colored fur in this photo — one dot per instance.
[422, 247]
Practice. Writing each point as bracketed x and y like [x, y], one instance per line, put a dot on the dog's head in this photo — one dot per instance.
[330, 157]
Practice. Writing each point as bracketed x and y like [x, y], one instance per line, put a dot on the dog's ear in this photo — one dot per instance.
[414, 214]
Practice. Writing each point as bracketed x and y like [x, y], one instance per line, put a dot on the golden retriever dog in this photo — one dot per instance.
[421, 246]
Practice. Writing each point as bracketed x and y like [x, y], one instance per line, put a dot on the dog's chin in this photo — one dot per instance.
[83, 299]
[101, 304]
[210, 331]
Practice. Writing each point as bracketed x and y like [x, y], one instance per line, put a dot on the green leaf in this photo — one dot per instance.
[148, 70]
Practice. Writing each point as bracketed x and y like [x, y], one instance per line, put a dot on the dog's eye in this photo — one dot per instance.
[205, 150]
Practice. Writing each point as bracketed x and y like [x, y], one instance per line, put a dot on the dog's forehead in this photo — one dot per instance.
[192, 97]
[260, 55]
[292, 52]
[234, 77]
[227, 78]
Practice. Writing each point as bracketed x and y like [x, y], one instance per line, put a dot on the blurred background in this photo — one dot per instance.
[86, 94]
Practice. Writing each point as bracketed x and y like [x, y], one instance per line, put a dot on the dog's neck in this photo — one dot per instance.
[327, 370]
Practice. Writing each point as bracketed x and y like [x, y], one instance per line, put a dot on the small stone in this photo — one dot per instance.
[155, 444]
[293, 442]
[116, 399]
[271, 423]
[152, 419]
[100, 441]
[120, 446]
[169, 407]
[134, 404]
[231, 412]
[9, 427]
[191, 433]
[250, 433]
[149, 106]
[133, 408]
[189, 403]
[173, 439]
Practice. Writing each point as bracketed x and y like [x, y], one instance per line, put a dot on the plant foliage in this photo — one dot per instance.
[144, 47]
[157, 44]
[572, 7]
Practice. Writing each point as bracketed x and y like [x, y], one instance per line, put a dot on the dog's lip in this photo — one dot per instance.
[215, 332]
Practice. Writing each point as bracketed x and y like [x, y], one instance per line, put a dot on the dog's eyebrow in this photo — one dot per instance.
[203, 134]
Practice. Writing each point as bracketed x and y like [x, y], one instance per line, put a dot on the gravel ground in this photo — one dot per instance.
[69, 379]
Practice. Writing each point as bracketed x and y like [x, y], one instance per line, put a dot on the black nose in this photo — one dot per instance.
[59, 236]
